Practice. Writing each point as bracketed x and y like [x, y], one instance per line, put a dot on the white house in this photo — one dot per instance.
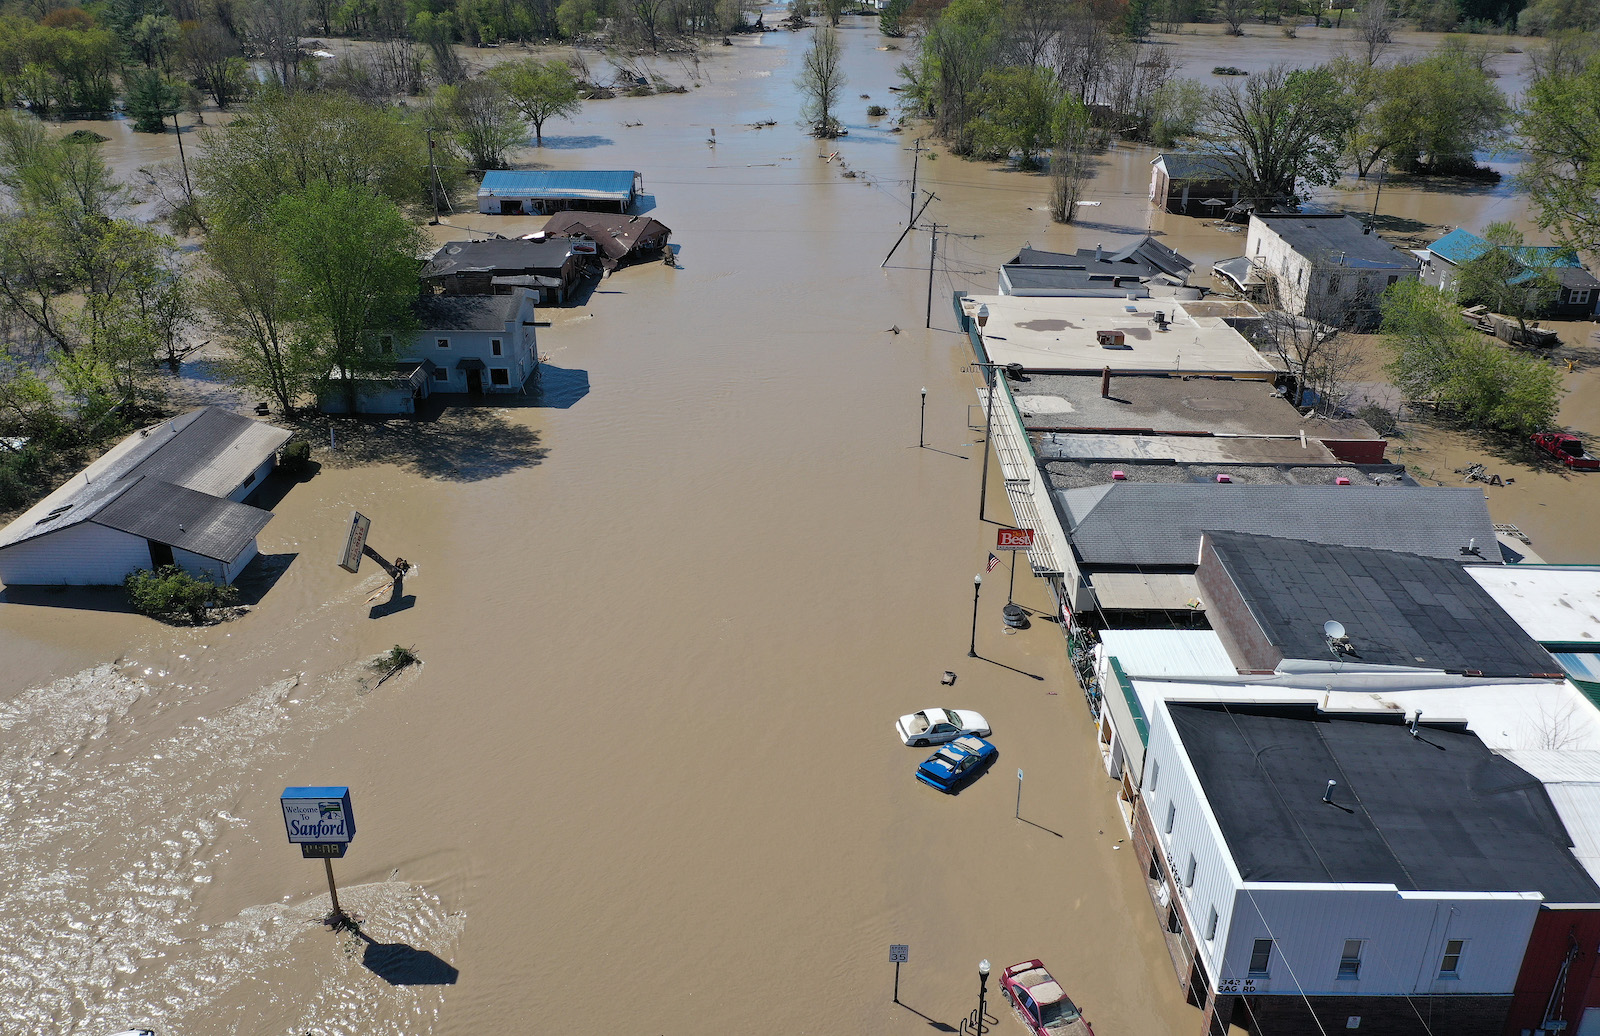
[170, 494]
[1319, 872]
[465, 344]
[1329, 267]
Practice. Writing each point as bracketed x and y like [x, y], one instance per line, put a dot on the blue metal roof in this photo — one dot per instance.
[589, 184]
[1461, 246]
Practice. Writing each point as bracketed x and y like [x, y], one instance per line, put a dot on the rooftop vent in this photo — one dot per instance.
[1225, 479]
[1341, 481]
[1110, 339]
[1119, 475]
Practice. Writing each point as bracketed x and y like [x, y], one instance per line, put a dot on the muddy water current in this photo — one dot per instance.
[669, 606]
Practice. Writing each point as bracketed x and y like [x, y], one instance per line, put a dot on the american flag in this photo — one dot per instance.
[993, 561]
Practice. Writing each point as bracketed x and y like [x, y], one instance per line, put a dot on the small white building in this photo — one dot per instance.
[170, 494]
[466, 344]
[1328, 267]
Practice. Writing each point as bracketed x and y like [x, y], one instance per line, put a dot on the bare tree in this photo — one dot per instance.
[1080, 54]
[274, 30]
[1556, 729]
[821, 82]
[1308, 326]
[1069, 162]
[1375, 29]
[1234, 12]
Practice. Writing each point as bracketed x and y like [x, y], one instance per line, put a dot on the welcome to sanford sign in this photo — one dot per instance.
[318, 815]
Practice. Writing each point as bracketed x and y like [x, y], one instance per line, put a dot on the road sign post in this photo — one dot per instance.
[1013, 540]
[899, 953]
[355, 540]
[320, 821]
[1019, 794]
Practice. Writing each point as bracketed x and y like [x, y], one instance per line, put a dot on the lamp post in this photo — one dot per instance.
[922, 421]
[977, 582]
[988, 411]
[983, 988]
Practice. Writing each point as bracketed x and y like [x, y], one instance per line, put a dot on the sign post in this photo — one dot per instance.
[1019, 794]
[355, 541]
[320, 821]
[1013, 540]
[899, 953]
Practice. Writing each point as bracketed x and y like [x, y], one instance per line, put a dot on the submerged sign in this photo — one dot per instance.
[355, 541]
[319, 815]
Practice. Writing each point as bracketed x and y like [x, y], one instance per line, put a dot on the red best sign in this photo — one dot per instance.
[1014, 539]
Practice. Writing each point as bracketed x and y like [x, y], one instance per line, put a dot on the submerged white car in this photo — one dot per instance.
[937, 726]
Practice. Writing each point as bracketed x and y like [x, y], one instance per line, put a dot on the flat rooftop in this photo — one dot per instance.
[1336, 240]
[1437, 813]
[1043, 333]
[1155, 403]
[1077, 474]
[1553, 603]
[1180, 449]
[1397, 609]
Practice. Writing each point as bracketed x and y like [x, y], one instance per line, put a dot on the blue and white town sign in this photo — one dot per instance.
[319, 820]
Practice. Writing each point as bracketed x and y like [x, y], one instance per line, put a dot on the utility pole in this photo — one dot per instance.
[1373, 219]
[933, 249]
[433, 179]
[188, 188]
[916, 157]
[909, 227]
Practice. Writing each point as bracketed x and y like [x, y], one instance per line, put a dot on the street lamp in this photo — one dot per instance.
[972, 651]
[988, 410]
[922, 422]
[983, 987]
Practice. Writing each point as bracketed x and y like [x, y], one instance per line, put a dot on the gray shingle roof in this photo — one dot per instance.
[1397, 609]
[1128, 523]
[1183, 165]
[207, 451]
[1439, 813]
[467, 312]
[499, 255]
[1326, 238]
[207, 525]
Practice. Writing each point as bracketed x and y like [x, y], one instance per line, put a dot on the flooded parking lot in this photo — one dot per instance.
[646, 779]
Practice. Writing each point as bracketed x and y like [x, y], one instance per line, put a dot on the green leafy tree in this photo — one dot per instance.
[1509, 277]
[250, 298]
[1021, 108]
[1561, 164]
[946, 81]
[539, 91]
[350, 258]
[151, 99]
[484, 120]
[1437, 355]
[1280, 129]
[171, 593]
[892, 21]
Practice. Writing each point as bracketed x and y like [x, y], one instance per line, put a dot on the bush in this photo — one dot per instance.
[296, 458]
[169, 592]
[877, 110]
[1381, 419]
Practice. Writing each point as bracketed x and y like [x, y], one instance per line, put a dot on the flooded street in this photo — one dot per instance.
[669, 609]
[646, 779]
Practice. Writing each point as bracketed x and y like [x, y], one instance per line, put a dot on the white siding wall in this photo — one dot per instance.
[519, 352]
[199, 565]
[1194, 832]
[1276, 259]
[252, 484]
[81, 555]
[237, 565]
[1404, 933]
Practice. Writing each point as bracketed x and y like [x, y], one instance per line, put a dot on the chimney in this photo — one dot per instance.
[1105, 383]
[1327, 796]
[1415, 720]
[1118, 475]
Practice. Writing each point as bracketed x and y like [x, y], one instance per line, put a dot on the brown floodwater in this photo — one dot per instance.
[669, 608]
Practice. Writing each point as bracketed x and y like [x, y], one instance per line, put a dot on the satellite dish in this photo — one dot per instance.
[1333, 630]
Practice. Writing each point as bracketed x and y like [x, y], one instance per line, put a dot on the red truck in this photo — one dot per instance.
[1568, 449]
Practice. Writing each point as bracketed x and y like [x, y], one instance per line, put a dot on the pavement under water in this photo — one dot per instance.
[669, 607]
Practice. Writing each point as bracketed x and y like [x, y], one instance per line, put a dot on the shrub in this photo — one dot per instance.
[296, 457]
[169, 592]
[877, 110]
[1380, 418]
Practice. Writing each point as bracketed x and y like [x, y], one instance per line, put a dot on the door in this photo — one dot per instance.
[510, 208]
[474, 383]
[160, 554]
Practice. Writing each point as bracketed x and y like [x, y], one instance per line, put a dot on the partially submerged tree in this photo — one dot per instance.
[821, 82]
[1509, 277]
[1561, 164]
[1279, 129]
[540, 91]
[1069, 161]
[1020, 112]
[1375, 27]
[484, 119]
[1439, 357]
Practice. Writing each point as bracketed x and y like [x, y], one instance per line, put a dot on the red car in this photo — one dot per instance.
[1568, 449]
[1040, 1001]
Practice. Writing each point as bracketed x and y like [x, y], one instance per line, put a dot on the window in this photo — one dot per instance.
[1155, 775]
[1300, 274]
[1364, 286]
[1188, 876]
[1211, 925]
[494, 346]
[443, 343]
[1155, 867]
[1394, 278]
[1333, 284]
[1261, 957]
[1578, 296]
[1172, 815]
[1174, 922]
[1451, 964]
[441, 374]
[386, 344]
[1350, 960]
[499, 376]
